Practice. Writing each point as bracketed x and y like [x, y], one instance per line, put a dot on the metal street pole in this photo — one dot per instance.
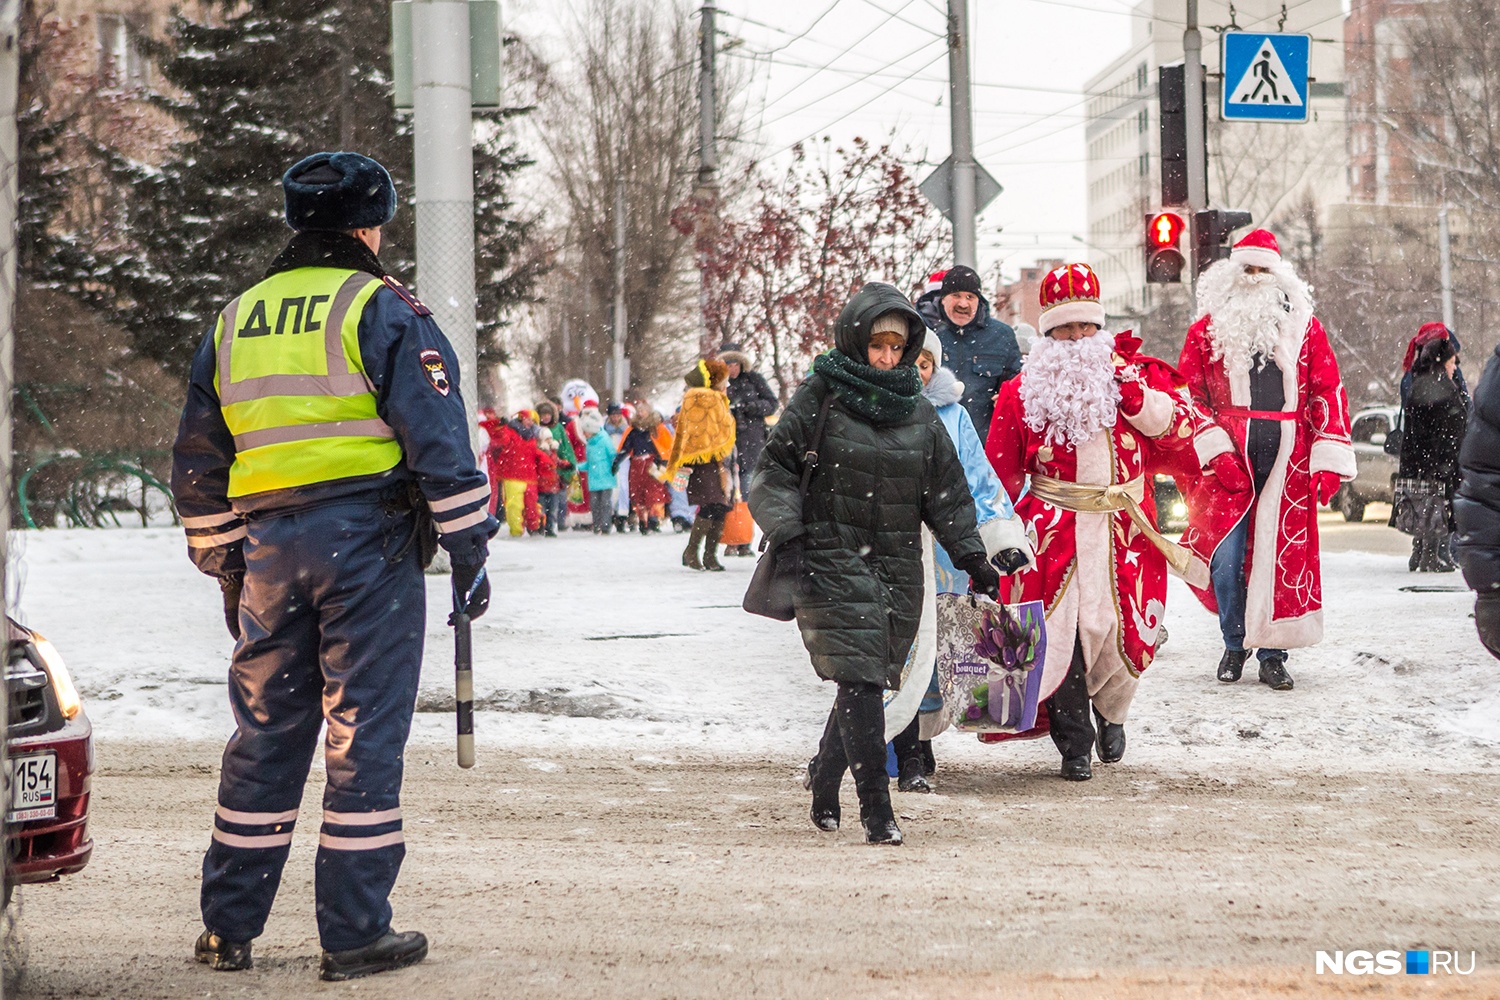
[10, 68]
[707, 194]
[961, 125]
[1195, 130]
[619, 382]
[444, 146]
[1445, 258]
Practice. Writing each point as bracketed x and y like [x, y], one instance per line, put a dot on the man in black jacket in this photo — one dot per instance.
[978, 348]
[1476, 508]
[751, 401]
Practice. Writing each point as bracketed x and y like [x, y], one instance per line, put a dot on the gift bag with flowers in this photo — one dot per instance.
[989, 660]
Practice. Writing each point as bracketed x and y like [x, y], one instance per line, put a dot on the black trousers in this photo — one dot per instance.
[1069, 710]
[854, 740]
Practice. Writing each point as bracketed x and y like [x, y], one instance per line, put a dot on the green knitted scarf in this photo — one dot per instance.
[879, 397]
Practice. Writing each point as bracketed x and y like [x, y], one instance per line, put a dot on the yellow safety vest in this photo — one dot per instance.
[292, 384]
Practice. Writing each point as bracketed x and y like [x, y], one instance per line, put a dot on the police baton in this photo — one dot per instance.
[463, 682]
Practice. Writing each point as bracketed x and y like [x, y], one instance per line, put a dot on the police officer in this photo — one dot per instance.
[323, 436]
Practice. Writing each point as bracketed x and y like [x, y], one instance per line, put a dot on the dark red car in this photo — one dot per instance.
[49, 764]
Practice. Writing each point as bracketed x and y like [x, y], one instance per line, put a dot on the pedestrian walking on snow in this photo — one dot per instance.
[1476, 508]
[1259, 364]
[977, 348]
[639, 451]
[598, 467]
[312, 498]
[885, 466]
[1432, 429]
[751, 401]
[704, 438]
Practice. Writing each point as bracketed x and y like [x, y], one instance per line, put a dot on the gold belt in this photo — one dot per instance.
[1086, 498]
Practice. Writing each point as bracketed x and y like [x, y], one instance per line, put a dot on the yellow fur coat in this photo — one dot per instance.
[705, 430]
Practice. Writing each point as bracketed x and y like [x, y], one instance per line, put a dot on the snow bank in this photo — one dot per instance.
[609, 643]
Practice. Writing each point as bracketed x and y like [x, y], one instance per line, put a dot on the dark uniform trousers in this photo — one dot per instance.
[332, 618]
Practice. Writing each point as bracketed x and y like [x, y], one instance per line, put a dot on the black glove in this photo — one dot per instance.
[983, 579]
[230, 586]
[471, 590]
[1012, 560]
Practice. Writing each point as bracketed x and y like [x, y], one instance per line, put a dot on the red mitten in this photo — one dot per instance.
[1327, 484]
[1231, 474]
[1132, 397]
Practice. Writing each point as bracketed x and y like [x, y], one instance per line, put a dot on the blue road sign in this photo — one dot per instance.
[1265, 77]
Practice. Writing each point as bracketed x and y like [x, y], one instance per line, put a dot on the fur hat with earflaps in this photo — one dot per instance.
[338, 192]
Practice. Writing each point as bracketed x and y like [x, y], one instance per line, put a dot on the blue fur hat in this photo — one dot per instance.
[339, 191]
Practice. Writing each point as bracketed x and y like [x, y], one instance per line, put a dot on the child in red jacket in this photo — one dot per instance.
[515, 461]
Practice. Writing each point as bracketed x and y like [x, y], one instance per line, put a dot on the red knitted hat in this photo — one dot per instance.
[1258, 249]
[1070, 294]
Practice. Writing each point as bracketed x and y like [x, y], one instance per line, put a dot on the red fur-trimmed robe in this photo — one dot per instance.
[1284, 587]
[1101, 579]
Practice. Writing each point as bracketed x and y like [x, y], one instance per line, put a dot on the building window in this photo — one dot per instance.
[1140, 77]
[1144, 165]
[1142, 121]
[120, 62]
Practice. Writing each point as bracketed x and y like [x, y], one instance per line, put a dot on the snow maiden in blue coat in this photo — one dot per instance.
[912, 725]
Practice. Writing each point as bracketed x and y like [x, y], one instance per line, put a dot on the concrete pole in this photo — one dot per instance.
[444, 142]
[10, 69]
[961, 125]
[1445, 258]
[618, 376]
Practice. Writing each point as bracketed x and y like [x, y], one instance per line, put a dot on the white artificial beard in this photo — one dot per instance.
[1250, 313]
[1069, 392]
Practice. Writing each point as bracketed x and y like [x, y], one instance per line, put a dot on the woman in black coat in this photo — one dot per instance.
[885, 466]
[1432, 431]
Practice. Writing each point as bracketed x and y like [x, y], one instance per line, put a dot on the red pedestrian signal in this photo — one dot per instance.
[1164, 258]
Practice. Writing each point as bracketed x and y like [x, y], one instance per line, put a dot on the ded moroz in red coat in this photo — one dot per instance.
[1100, 577]
[1284, 588]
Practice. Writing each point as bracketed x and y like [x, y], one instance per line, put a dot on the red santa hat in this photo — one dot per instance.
[1258, 249]
[1070, 294]
[934, 283]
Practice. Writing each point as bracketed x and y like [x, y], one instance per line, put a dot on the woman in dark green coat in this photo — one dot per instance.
[885, 466]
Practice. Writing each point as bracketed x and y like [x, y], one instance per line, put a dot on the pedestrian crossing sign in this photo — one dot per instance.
[1265, 77]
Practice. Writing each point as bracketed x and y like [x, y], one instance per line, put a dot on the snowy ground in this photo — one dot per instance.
[609, 642]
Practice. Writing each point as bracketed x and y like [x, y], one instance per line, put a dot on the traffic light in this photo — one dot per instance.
[1211, 231]
[1164, 258]
[1173, 106]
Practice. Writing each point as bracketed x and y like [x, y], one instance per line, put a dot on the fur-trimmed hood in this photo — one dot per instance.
[944, 388]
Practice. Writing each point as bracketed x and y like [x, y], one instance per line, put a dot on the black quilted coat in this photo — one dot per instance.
[874, 487]
[1477, 506]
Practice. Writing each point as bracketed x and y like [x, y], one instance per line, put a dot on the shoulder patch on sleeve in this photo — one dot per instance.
[406, 296]
[435, 370]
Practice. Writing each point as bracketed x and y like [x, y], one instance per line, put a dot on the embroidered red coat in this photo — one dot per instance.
[1284, 588]
[1102, 581]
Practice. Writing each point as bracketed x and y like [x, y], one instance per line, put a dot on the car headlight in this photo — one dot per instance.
[68, 701]
[1179, 509]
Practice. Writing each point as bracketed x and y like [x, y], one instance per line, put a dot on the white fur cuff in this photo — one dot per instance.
[1001, 533]
[1156, 413]
[1329, 455]
[1212, 443]
[1255, 256]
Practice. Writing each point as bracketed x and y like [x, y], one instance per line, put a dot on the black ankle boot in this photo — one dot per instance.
[877, 817]
[825, 800]
[1273, 674]
[711, 545]
[929, 762]
[912, 777]
[1076, 769]
[1111, 740]
[393, 951]
[225, 956]
[1231, 664]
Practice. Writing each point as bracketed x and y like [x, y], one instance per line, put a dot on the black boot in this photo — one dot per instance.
[393, 951]
[861, 719]
[225, 956]
[1273, 674]
[1111, 740]
[912, 779]
[1076, 769]
[929, 762]
[711, 545]
[695, 539]
[1231, 664]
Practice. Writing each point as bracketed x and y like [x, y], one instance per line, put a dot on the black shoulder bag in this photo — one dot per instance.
[773, 587]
